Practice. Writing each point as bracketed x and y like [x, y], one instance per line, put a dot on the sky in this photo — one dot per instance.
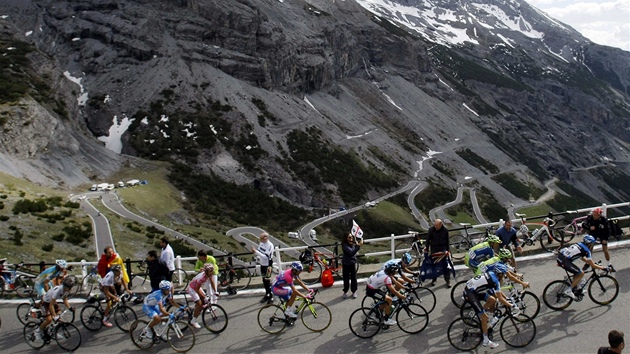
[604, 22]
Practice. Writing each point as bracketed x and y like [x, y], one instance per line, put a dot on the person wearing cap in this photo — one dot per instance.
[108, 288]
[596, 225]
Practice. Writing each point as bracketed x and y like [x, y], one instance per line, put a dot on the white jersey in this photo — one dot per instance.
[54, 293]
[379, 280]
[110, 279]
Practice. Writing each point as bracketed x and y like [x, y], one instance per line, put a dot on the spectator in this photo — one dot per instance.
[168, 257]
[265, 254]
[348, 261]
[507, 234]
[596, 225]
[158, 270]
[108, 259]
[615, 339]
[204, 258]
[437, 241]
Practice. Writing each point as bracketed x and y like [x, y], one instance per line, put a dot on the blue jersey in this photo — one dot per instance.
[157, 296]
[576, 251]
[48, 274]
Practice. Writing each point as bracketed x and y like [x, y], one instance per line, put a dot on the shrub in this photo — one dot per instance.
[47, 247]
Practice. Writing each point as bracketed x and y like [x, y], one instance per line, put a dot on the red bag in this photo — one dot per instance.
[327, 278]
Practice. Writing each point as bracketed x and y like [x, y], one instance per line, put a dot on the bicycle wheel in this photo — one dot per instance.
[271, 319]
[603, 290]
[528, 303]
[241, 278]
[29, 335]
[554, 296]
[75, 288]
[24, 286]
[67, 316]
[180, 336]
[459, 245]
[312, 273]
[67, 336]
[425, 297]
[91, 318]
[316, 316]
[410, 246]
[2, 285]
[546, 242]
[468, 314]
[463, 336]
[457, 293]
[139, 336]
[215, 319]
[90, 282]
[180, 279]
[26, 315]
[570, 231]
[412, 318]
[124, 316]
[365, 322]
[518, 331]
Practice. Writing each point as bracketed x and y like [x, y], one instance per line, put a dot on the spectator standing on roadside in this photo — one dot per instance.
[596, 225]
[437, 241]
[158, 270]
[109, 258]
[265, 254]
[168, 257]
[204, 258]
[349, 261]
[616, 341]
[507, 234]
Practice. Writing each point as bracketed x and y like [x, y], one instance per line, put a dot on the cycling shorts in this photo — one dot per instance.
[193, 294]
[568, 265]
[472, 298]
[377, 294]
[151, 311]
[283, 293]
[45, 308]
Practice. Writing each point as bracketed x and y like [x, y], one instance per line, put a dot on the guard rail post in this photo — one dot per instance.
[178, 264]
[393, 244]
[278, 258]
[83, 271]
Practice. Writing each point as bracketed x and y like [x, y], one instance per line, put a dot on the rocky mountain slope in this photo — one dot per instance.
[321, 102]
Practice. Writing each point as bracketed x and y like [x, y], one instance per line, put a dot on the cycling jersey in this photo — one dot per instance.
[574, 252]
[488, 282]
[198, 281]
[478, 254]
[379, 280]
[55, 293]
[155, 297]
[284, 278]
[487, 265]
[110, 279]
[48, 274]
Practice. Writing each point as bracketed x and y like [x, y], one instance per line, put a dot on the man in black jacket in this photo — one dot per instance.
[158, 270]
[596, 225]
[437, 241]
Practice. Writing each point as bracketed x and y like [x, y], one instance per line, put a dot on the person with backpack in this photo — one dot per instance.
[157, 269]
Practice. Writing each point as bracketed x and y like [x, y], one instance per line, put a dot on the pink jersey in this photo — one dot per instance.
[198, 281]
[284, 278]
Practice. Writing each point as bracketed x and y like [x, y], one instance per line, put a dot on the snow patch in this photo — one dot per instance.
[118, 128]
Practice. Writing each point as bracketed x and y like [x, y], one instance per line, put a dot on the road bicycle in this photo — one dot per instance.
[214, 317]
[461, 243]
[574, 228]
[13, 280]
[179, 334]
[315, 264]
[415, 249]
[410, 317]
[546, 234]
[418, 294]
[602, 289]
[92, 313]
[314, 315]
[232, 279]
[31, 312]
[65, 334]
[516, 330]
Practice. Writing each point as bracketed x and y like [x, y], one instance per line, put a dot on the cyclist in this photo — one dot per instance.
[204, 258]
[384, 278]
[481, 252]
[49, 306]
[567, 255]
[504, 256]
[487, 286]
[154, 303]
[42, 281]
[195, 290]
[108, 287]
[288, 294]
[596, 225]
[402, 264]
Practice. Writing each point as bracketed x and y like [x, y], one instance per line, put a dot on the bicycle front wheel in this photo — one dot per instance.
[180, 279]
[412, 318]
[459, 245]
[554, 296]
[518, 331]
[91, 318]
[312, 273]
[124, 317]
[180, 336]
[139, 336]
[463, 336]
[316, 316]
[271, 319]
[29, 335]
[603, 290]
[528, 303]
[67, 336]
[457, 293]
[215, 319]
[425, 297]
[365, 322]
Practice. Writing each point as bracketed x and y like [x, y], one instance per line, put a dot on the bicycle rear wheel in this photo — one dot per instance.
[180, 336]
[29, 335]
[425, 297]
[365, 322]
[271, 319]
[91, 318]
[603, 290]
[457, 293]
[124, 317]
[316, 316]
[139, 337]
[412, 318]
[312, 273]
[518, 331]
[547, 242]
[554, 296]
[180, 279]
[67, 336]
[240, 279]
[215, 319]
[463, 336]
[459, 245]
[25, 314]
[570, 231]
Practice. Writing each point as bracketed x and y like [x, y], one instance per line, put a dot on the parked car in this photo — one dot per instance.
[294, 235]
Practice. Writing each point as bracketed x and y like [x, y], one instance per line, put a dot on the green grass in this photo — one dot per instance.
[535, 210]
[461, 217]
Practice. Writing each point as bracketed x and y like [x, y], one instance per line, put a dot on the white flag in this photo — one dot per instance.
[356, 230]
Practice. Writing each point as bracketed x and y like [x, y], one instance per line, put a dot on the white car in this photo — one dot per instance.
[294, 235]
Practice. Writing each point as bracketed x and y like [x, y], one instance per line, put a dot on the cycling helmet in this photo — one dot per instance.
[391, 268]
[116, 268]
[504, 254]
[494, 239]
[588, 240]
[208, 267]
[296, 266]
[406, 258]
[61, 263]
[165, 285]
[500, 268]
[68, 282]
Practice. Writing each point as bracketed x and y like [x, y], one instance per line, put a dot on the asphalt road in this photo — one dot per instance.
[581, 328]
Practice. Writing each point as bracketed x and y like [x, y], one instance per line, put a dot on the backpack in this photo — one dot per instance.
[306, 256]
[615, 229]
[327, 278]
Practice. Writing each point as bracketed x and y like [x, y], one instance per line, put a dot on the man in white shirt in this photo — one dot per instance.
[168, 257]
[265, 254]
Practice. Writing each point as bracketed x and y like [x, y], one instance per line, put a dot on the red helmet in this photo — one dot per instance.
[597, 211]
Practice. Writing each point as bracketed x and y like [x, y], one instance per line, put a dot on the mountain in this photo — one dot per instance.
[320, 103]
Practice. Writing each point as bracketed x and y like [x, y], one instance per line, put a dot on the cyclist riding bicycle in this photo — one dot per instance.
[49, 306]
[283, 287]
[42, 281]
[195, 290]
[108, 288]
[384, 278]
[487, 286]
[504, 256]
[567, 255]
[402, 264]
[153, 305]
[481, 252]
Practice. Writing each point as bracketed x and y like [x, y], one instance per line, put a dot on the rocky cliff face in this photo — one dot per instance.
[387, 82]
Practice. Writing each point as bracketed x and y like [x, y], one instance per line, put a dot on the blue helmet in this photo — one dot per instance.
[406, 258]
[500, 268]
[165, 285]
[391, 268]
[297, 266]
[588, 240]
